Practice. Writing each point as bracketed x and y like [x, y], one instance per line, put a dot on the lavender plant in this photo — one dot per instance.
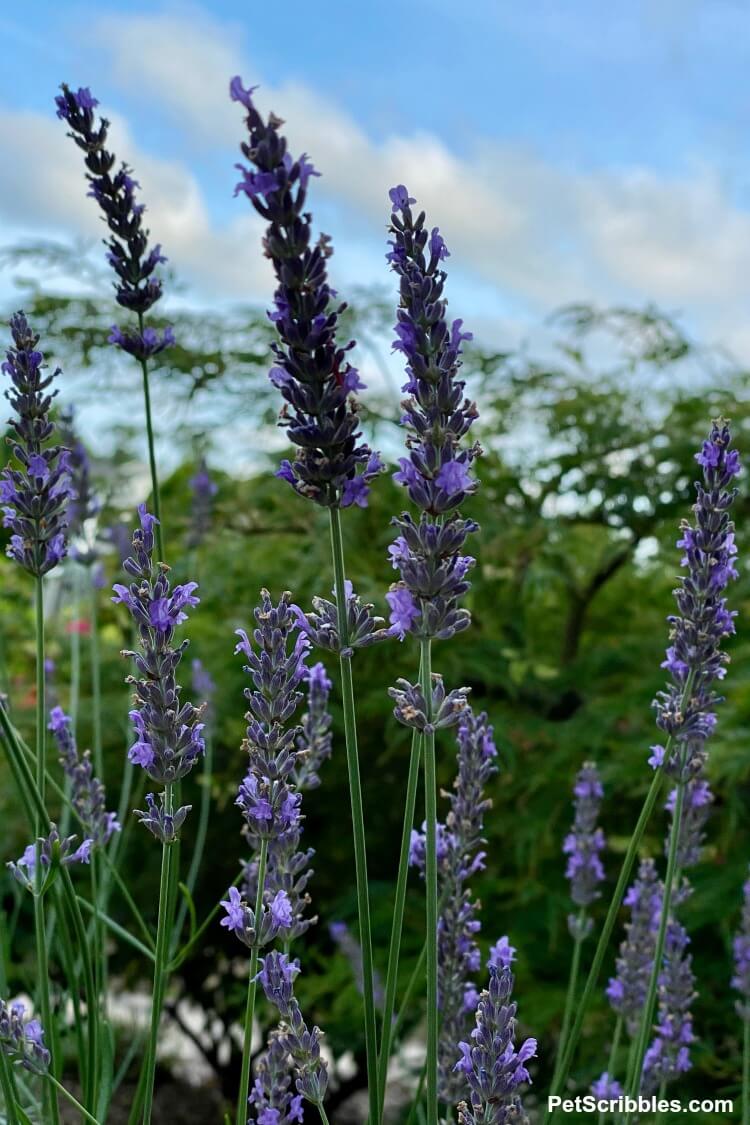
[685, 710]
[585, 872]
[169, 739]
[494, 1069]
[427, 554]
[137, 285]
[332, 465]
[35, 496]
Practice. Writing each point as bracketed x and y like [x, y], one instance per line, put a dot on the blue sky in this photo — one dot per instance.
[567, 151]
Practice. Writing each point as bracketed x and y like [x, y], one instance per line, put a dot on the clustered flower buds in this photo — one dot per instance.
[271, 1098]
[203, 490]
[493, 1067]
[669, 1052]
[22, 1041]
[685, 709]
[322, 628]
[460, 855]
[627, 989]
[34, 497]
[277, 976]
[53, 851]
[332, 466]
[169, 738]
[582, 846]
[444, 710]
[83, 505]
[87, 792]
[314, 740]
[270, 796]
[137, 287]
[437, 416]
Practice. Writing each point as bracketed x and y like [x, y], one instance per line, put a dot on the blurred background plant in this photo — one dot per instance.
[588, 470]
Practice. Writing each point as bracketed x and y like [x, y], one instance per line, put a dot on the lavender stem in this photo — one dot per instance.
[391, 980]
[161, 967]
[247, 1041]
[358, 824]
[575, 965]
[647, 1018]
[152, 451]
[431, 887]
[50, 1099]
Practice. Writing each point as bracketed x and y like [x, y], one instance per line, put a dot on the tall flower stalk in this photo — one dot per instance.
[137, 287]
[584, 870]
[169, 739]
[34, 492]
[685, 710]
[269, 799]
[437, 477]
[332, 465]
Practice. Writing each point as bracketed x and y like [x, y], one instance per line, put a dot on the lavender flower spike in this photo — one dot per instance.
[277, 975]
[53, 852]
[437, 471]
[332, 465]
[582, 847]
[137, 287]
[272, 1101]
[34, 496]
[86, 791]
[685, 709]
[203, 490]
[315, 739]
[627, 990]
[21, 1040]
[741, 950]
[169, 738]
[493, 1067]
[669, 1053]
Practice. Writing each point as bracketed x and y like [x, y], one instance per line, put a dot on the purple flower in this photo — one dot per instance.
[277, 976]
[490, 1063]
[332, 464]
[34, 495]
[436, 474]
[169, 737]
[404, 610]
[203, 490]
[314, 740]
[606, 1088]
[271, 1098]
[669, 1052]
[685, 709]
[87, 792]
[21, 1040]
[627, 990]
[502, 954]
[136, 288]
[52, 851]
[582, 847]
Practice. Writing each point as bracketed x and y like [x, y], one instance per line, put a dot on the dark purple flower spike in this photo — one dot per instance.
[332, 466]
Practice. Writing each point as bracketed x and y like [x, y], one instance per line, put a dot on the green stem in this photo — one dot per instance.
[431, 887]
[96, 684]
[41, 830]
[647, 1015]
[247, 1041]
[575, 965]
[606, 934]
[161, 967]
[612, 1061]
[200, 838]
[322, 1112]
[71, 901]
[8, 1092]
[158, 531]
[68, 959]
[391, 980]
[73, 1101]
[418, 1095]
[120, 931]
[410, 989]
[746, 1073]
[358, 824]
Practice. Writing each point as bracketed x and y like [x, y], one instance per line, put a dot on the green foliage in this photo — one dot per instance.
[588, 471]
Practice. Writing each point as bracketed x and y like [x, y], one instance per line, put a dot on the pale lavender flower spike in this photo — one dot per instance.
[22, 1040]
[582, 846]
[86, 791]
[741, 951]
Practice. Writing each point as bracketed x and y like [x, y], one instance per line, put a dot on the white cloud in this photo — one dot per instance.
[42, 188]
[534, 233]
